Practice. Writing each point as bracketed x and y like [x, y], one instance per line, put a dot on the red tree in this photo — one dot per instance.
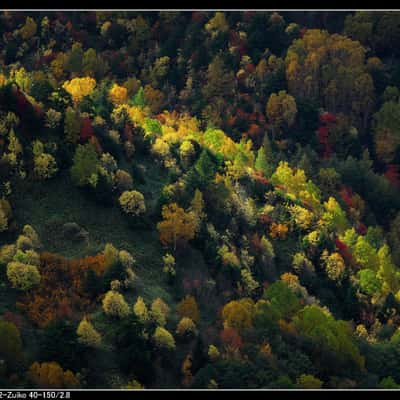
[231, 339]
[392, 175]
[343, 250]
[86, 129]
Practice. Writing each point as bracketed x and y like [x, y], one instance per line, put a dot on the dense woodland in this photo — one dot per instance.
[200, 200]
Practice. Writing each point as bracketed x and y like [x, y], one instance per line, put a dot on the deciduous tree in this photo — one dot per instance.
[115, 305]
[177, 227]
[88, 335]
[51, 375]
[132, 202]
[163, 338]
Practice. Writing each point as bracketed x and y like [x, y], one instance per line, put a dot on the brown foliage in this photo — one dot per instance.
[61, 291]
[278, 231]
[231, 339]
[188, 308]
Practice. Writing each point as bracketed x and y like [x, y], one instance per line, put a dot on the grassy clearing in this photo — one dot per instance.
[48, 205]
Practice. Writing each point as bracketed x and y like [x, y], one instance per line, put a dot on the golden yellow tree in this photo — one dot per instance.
[51, 375]
[238, 314]
[78, 88]
[140, 310]
[88, 334]
[186, 371]
[177, 226]
[159, 311]
[118, 94]
[186, 326]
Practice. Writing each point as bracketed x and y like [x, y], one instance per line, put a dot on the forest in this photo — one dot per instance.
[200, 200]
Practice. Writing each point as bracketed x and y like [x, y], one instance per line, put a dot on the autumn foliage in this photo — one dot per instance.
[231, 339]
[177, 226]
[61, 293]
[50, 375]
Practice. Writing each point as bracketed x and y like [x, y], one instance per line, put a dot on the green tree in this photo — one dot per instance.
[205, 168]
[369, 282]
[10, 344]
[220, 81]
[388, 383]
[334, 335]
[387, 131]
[74, 59]
[72, 125]
[308, 382]
[85, 164]
[278, 302]
[261, 163]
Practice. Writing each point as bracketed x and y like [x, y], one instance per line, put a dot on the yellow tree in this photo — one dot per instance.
[281, 111]
[29, 29]
[163, 338]
[186, 326]
[51, 375]
[115, 305]
[177, 226]
[78, 88]
[331, 69]
[23, 276]
[217, 24]
[186, 371]
[140, 310]
[87, 334]
[213, 353]
[118, 94]
[238, 314]
[159, 311]
[334, 265]
[132, 202]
